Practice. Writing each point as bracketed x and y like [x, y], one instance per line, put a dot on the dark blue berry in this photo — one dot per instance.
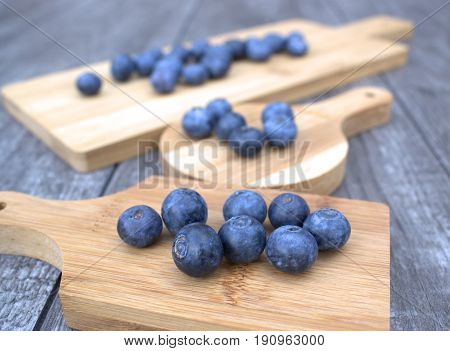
[243, 239]
[182, 207]
[237, 48]
[194, 74]
[291, 249]
[245, 202]
[276, 42]
[227, 123]
[257, 49]
[276, 108]
[217, 66]
[180, 52]
[296, 44]
[280, 131]
[198, 123]
[246, 141]
[88, 84]
[329, 227]
[288, 209]
[139, 226]
[197, 250]
[146, 61]
[164, 80]
[198, 48]
[122, 67]
[172, 63]
[219, 107]
[222, 51]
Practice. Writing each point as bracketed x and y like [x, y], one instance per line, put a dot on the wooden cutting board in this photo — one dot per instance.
[109, 285]
[314, 163]
[90, 133]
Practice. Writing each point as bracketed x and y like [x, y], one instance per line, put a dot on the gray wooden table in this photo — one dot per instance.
[404, 164]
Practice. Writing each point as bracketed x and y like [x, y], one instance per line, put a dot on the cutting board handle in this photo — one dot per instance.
[356, 110]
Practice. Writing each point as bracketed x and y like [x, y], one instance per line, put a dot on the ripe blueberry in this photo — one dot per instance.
[146, 61]
[180, 52]
[257, 49]
[246, 141]
[291, 249]
[288, 209]
[280, 131]
[182, 207]
[194, 74]
[237, 48]
[164, 80]
[172, 63]
[245, 202]
[139, 226]
[199, 48]
[329, 227]
[243, 239]
[276, 42]
[217, 66]
[296, 44]
[274, 109]
[218, 107]
[227, 123]
[198, 123]
[88, 84]
[197, 250]
[122, 67]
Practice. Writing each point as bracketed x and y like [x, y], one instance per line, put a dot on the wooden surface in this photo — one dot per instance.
[107, 284]
[90, 133]
[314, 163]
[404, 164]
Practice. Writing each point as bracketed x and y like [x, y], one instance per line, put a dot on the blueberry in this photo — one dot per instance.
[146, 61]
[88, 84]
[197, 250]
[198, 48]
[243, 239]
[228, 123]
[245, 202]
[217, 66]
[276, 108]
[198, 123]
[246, 141]
[329, 227]
[194, 74]
[223, 51]
[280, 131]
[164, 80]
[237, 48]
[122, 67]
[182, 207]
[288, 209]
[291, 249]
[218, 107]
[296, 44]
[139, 226]
[180, 52]
[170, 62]
[276, 41]
[257, 49]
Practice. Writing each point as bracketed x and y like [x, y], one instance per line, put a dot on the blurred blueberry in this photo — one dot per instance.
[276, 41]
[246, 141]
[197, 250]
[280, 131]
[217, 66]
[296, 44]
[291, 249]
[171, 62]
[245, 202]
[198, 123]
[181, 52]
[198, 48]
[219, 107]
[257, 49]
[227, 123]
[122, 67]
[194, 74]
[288, 209]
[237, 48]
[164, 80]
[243, 239]
[276, 108]
[329, 227]
[146, 61]
[182, 207]
[139, 226]
[221, 50]
[88, 84]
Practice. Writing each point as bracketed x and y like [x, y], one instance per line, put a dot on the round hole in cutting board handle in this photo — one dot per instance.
[370, 94]
[2, 205]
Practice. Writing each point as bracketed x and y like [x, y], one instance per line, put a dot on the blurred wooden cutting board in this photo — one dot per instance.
[90, 133]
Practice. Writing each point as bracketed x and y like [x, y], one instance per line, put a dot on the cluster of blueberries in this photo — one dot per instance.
[198, 250]
[279, 128]
[195, 64]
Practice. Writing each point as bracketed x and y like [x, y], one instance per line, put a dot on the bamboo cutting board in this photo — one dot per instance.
[314, 163]
[90, 133]
[109, 285]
